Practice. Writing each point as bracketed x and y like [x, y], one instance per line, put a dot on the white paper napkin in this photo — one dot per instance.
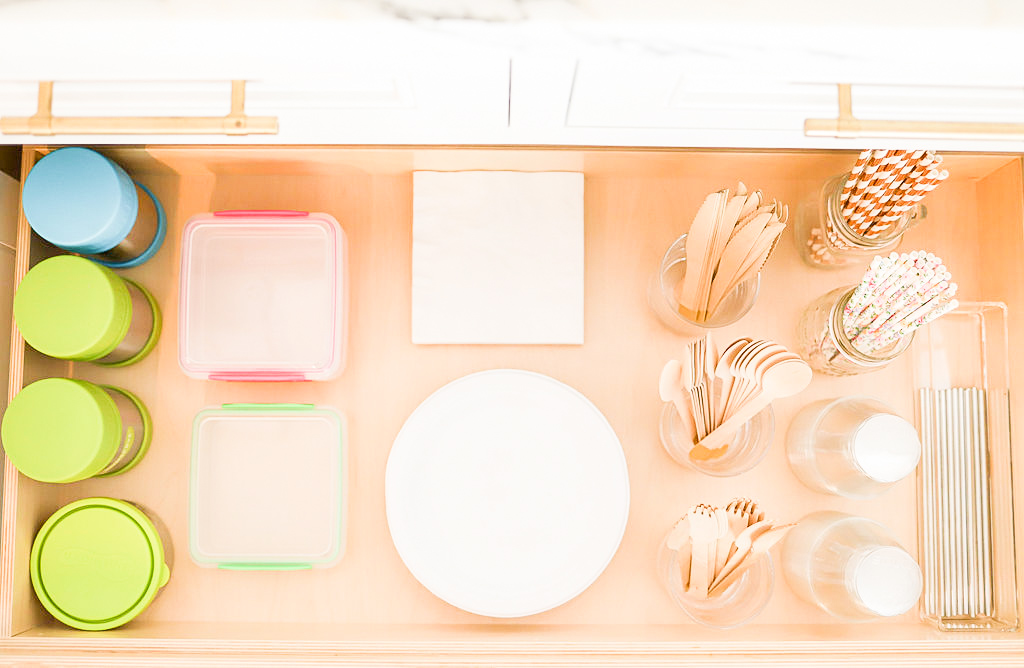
[497, 257]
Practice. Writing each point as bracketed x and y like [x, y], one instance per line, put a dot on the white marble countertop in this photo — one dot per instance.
[931, 41]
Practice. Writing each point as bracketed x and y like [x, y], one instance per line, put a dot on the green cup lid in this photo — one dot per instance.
[97, 563]
[61, 430]
[72, 308]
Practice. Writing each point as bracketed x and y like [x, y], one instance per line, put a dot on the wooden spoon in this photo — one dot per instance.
[739, 388]
[783, 379]
[752, 371]
[670, 390]
[723, 371]
[768, 361]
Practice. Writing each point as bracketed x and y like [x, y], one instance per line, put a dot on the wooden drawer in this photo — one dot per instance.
[369, 609]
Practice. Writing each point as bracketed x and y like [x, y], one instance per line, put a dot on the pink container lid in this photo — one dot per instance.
[264, 296]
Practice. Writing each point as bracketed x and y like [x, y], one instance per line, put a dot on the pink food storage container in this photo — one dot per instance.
[264, 296]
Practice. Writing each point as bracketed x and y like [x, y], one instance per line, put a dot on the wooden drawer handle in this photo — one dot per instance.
[45, 123]
[849, 126]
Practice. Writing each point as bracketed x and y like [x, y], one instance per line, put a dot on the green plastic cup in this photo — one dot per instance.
[64, 430]
[97, 563]
[75, 309]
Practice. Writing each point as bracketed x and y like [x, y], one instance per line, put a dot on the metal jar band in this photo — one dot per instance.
[139, 331]
[139, 238]
[133, 432]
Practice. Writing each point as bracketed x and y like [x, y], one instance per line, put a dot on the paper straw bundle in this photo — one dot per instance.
[897, 295]
[884, 185]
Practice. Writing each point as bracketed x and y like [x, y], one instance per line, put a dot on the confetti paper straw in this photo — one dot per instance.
[896, 296]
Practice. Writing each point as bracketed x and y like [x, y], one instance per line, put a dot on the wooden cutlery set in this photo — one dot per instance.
[715, 394]
[730, 239]
[715, 546]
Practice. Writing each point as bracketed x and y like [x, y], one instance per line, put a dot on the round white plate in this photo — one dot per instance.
[507, 493]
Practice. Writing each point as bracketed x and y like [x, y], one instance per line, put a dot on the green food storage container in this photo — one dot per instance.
[75, 309]
[64, 430]
[97, 563]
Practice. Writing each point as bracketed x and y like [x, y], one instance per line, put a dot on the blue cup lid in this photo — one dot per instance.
[79, 200]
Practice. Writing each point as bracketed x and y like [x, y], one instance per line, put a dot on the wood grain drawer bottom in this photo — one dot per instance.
[368, 609]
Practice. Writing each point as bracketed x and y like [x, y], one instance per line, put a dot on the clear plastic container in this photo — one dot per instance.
[855, 447]
[966, 523]
[263, 296]
[850, 567]
[268, 487]
[746, 450]
[661, 295]
[740, 603]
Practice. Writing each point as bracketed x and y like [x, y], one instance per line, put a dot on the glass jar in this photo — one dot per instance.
[850, 567]
[746, 450]
[661, 295]
[98, 563]
[855, 447]
[62, 430]
[72, 308]
[83, 202]
[826, 347]
[740, 603]
[825, 238]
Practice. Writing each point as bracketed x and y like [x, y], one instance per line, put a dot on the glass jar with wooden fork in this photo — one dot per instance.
[715, 564]
[717, 417]
[745, 450]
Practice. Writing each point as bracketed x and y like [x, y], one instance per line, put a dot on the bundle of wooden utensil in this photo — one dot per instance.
[729, 241]
[715, 394]
[715, 546]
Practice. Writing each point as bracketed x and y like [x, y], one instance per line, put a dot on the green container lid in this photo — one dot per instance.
[72, 308]
[61, 430]
[97, 563]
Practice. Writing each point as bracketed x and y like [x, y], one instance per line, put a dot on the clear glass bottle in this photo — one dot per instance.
[855, 447]
[850, 567]
[661, 296]
[825, 238]
[740, 603]
[826, 347]
[746, 450]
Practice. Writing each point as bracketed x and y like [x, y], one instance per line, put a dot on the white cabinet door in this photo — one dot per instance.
[986, 104]
[424, 100]
[672, 93]
[697, 101]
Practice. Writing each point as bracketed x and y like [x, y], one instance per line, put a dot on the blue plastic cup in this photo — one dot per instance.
[83, 202]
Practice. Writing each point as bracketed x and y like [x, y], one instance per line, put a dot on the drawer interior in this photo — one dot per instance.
[636, 204]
